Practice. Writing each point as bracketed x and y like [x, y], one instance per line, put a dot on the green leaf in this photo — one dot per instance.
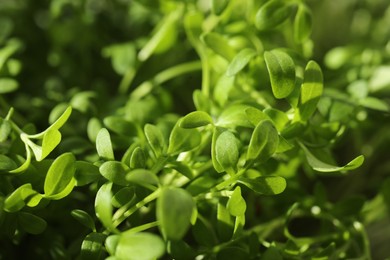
[182, 140]
[311, 90]
[115, 172]
[234, 116]
[86, 173]
[181, 168]
[255, 115]
[103, 206]
[137, 158]
[51, 139]
[92, 247]
[6, 163]
[281, 69]
[84, 218]
[374, 103]
[59, 180]
[302, 24]
[165, 30]
[104, 145]
[218, 6]
[201, 102]
[225, 223]
[219, 45]
[196, 119]
[5, 129]
[123, 196]
[139, 246]
[240, 61]
[272, 14]
[174, 211]
[31, 224]
[233, 253]
[222, 89]
[272, 253]
[8, 85]
[61, 120]
[143, 178]
[279, 118]
[264, 141]
[216, 133]
[123, 57]
[93, 128]
[320, 166]
[236, 204]
[119, 125]
[226, 150]
[17, 199]
[155, 139]
[266, 185]
[111, 244]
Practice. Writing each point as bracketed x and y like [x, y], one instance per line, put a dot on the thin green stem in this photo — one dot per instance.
[165, 75]
[126, 81]
[154, 195]
[144, 227]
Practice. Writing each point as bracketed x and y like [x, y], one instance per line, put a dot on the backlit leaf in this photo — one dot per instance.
[311, 90]
[266, 185]
[60, 180]
[5, 129]
[236, 204]
[281, 69]
[320, 166]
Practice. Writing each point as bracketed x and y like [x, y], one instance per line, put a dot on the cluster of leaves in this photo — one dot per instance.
[138, 172]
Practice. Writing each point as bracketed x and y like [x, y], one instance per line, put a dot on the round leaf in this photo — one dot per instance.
[281, 69]
[139, 246]
[267, 185]
[174, 211]
[196, 119]
[30, 223]
[226, 150]
[240, 61]
[311, 90]
[104, 145]
[236, 204]
[264, 141]
[115, 171]
[59, 180]
[272, 14]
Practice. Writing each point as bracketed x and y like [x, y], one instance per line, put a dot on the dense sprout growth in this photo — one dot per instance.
[195, 129]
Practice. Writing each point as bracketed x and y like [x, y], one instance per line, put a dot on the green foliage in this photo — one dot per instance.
[238, 129]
